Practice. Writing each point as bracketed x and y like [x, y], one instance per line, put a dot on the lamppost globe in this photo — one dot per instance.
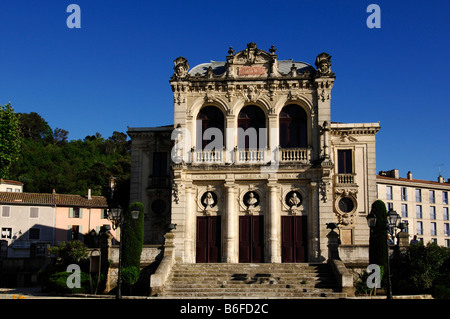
[371, 220]
[393, 218]
[135, 213]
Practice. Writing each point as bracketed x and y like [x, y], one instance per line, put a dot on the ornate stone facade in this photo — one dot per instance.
[254, 168]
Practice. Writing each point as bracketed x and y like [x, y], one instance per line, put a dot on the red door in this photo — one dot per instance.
[293, 239]
[208, 239]
[251, 239]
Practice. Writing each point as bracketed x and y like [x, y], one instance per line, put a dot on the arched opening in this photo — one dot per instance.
[251, 128]
[210, 117]
[293, 127]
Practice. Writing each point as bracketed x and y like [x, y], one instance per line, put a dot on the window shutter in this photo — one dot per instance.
[81, 214]
[70, 212]
[80, 229]
[69, 232]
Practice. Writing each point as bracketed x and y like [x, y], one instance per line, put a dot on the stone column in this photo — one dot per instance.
[274, 225]
[232, 224]
[189, 226]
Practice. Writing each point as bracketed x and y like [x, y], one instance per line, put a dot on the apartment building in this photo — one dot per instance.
[423, 204]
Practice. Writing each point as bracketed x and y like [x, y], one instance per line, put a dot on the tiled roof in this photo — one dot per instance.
[5, 181]
[284, 67]
[52, 199]
[416, 181]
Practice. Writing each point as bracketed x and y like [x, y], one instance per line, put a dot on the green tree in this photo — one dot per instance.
[133, 236]
[378, 237]
[10, 138]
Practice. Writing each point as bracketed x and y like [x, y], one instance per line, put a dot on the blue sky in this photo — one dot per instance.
[114, 72]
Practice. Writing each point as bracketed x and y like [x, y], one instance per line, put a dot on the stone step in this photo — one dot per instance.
[253, 294]
[251, 281]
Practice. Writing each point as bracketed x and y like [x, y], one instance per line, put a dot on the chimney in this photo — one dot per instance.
[441, 179]
[89, 194]
[409, 175]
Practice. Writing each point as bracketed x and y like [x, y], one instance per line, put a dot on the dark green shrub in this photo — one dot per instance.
[133, 237]
[58, 283]
[378, 236]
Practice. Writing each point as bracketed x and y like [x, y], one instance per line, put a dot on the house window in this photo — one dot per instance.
[445, 197]
[433, 229]
[160, 164]
[445, 213]
[251, 128]
[104, 214]
[404, 210]
[293, 129]
[209, 117]
[75, 212]
[418, 195]
[432, 212]
[34, 212]
[390, 206]
[75, 232]
[404, 194]
[6, 233]
[389, 192]
[345, 162]
[34, 234]
[6, 210]
[432, 197]
[447, 229]
[447, 243]
[418, 211]
[419, 228]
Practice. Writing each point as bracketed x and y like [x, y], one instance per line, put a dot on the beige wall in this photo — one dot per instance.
[90, 218]
[441, 238]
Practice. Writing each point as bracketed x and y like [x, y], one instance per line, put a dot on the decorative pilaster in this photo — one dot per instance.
[189, 226]
[231, 222]
[274, 225]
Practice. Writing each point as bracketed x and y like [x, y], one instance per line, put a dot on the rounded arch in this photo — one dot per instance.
[252, 132]
[210, 116]
[293, 126]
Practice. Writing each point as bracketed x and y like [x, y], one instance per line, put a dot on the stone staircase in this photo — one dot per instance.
[281, 281]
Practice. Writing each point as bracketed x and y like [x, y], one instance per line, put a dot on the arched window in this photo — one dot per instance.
[251, 128]
[293, 128]
[210, 117]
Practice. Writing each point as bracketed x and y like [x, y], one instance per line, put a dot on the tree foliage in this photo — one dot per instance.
[378, 236]
[427, 266]
[48, 161]
[133, 236]
[10, 138]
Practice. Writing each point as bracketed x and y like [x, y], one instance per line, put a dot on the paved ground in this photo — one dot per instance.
[36, 293]
[30, 293]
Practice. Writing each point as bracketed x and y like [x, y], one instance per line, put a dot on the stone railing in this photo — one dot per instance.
[345, 179]
[295, 154]
[159, 278]
[252, 156]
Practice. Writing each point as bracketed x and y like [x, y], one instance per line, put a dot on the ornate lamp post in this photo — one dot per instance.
[116, 216]
[393, 220]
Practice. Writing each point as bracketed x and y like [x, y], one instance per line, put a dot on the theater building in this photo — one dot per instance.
[253, 169]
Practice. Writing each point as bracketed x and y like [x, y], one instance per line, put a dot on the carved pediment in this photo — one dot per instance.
[252, 55]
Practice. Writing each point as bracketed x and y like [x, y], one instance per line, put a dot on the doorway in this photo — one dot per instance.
[293, 239]
[208, 244]
[251, 239]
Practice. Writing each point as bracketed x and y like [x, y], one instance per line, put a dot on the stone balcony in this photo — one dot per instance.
[251, 156]
[345, 179]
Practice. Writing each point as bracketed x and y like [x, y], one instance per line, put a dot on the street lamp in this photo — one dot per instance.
[117, 219]
[393, 219]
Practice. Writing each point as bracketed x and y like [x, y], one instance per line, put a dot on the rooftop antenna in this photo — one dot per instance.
[440, 170]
